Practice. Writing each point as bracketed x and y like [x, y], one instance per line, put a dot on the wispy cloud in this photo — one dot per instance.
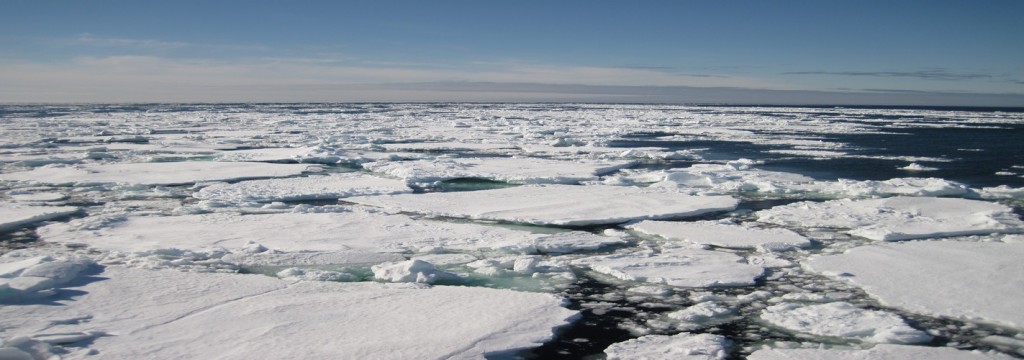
[146, 45]
[920, 74]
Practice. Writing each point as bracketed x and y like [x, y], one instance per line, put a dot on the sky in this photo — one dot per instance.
[934, 52]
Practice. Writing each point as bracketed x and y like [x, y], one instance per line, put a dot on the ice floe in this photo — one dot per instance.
[510, 170]
[679, 346]
[13, 216]
[723, 235]
[34, 277]
[158, 173]
[899, 218]
[880, 351]
[315, 187]
[556, 204]
[971, 281]
[682, 267]
[348, 232]
[843, 320]
[132, 313]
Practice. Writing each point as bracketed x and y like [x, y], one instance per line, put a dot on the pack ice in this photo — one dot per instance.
[723, 235]
[13, 215]
[510, 170]
[315, 187]
[565, 205]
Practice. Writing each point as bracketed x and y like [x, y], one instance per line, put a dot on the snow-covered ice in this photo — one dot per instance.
[556, 204]
[679, 346]
[971, 281]
[682, 267]
[37, 276]
[880, 351]
[843, 320]
[135, 314]
[899, 218]
[314, 187]
[510, 170]
[157, 173]
[730, 236]
[13, 216]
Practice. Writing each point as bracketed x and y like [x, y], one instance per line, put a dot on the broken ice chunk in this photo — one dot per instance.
[723, 235]
[418, 271]
[682, 346]
[684, 267]
[842, 319]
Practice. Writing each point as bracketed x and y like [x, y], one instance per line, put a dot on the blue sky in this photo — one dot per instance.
[909, 52]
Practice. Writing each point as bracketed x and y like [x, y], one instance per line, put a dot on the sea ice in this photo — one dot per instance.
[170, 314]
[918, 167]
[683, 267]
[417, 271]
[702, 315]
[899, 218]
[318, 155]
[556, 204]
[680, 346]
[511, 170]
[37, 276]
[353, 232]
[880, 351]
[723, 235]
[972, 281]
[13, 216]
[314, 187]
[843, 320]
[159, 173]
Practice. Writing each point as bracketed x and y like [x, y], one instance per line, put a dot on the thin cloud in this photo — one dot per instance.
[921, 74]
[90, 40]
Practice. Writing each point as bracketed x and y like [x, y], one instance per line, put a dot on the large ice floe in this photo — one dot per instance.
[510, 170]
[556, 204]
[13, 215]
[134, 313]
[348, 231]
[724, 235]
[967, 280]
[314, 187]
[159, 173]
[899, 218]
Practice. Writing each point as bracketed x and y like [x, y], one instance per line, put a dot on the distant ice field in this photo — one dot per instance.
[526, 231]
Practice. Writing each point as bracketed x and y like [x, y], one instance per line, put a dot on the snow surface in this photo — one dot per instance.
[899, 218]
[556, 204]
[160, 173]
[842, 319]
[972, 281]
[880, 351]
[135, 314]
[510, 170]
[13, 216]
[724, 235]
[314, 187]
[679, 346]
[683, 267]
[38, 276]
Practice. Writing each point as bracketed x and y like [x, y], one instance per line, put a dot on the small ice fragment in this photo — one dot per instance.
[410, 271]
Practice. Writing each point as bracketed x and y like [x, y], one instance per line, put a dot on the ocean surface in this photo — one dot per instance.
[766, 157]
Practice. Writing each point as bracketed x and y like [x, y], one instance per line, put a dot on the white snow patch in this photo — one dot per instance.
[918, 167]
[38, 276]
[418, 271]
